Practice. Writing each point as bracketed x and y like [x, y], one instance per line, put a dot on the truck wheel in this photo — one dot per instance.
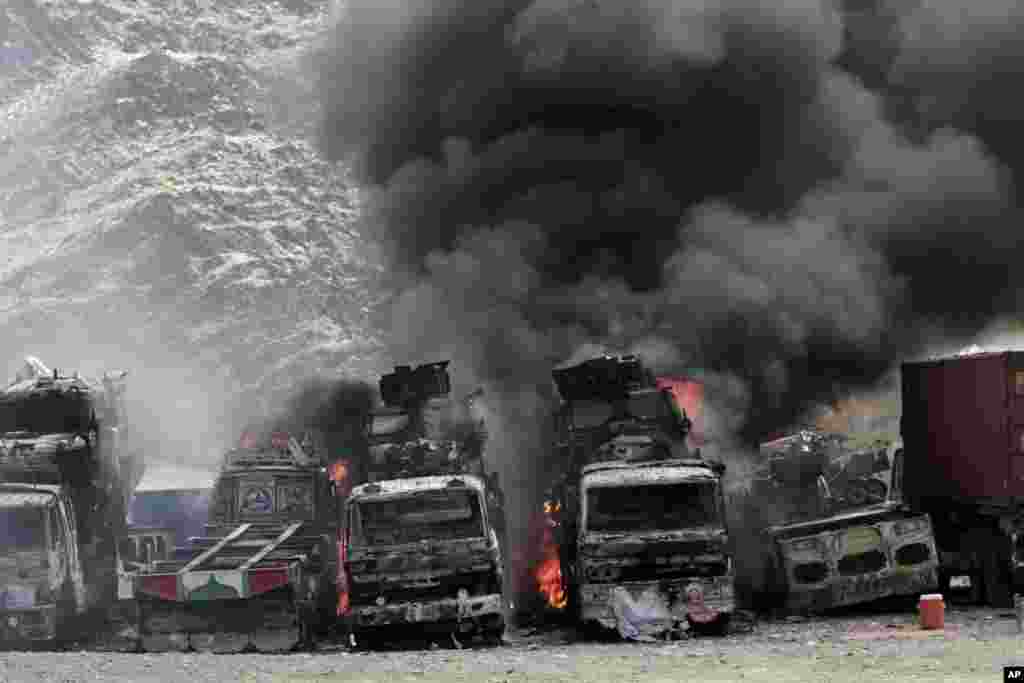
[67, 629]
[366, 641]
[494, 634]
[996, 582]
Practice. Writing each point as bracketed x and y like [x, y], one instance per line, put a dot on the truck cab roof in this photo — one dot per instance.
[400, 487]
[656, 472]
[28, 496]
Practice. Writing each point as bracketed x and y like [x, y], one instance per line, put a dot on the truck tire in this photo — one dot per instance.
[494, 634]
[996, 575]
[68, 620]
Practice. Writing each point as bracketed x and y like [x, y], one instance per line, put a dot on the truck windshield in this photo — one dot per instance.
[53, 413]
[430, 515]
[22, 528]
[653, 507]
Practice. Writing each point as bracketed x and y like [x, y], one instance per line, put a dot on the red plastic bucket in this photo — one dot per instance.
[932, 611]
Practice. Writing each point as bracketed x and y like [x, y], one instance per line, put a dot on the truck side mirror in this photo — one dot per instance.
[896, 477]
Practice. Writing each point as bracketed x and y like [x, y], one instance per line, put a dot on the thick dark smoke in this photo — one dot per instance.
[335, 409]
[730, 177]
[795, 195]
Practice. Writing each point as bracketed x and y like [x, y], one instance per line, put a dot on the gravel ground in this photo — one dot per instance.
[974, 647]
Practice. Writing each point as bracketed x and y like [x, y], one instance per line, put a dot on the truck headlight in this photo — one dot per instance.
[43, 593]
[909, 526]
[804, 544]
[603, 573]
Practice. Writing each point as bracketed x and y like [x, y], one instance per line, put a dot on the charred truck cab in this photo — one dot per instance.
[41, 581]
[652, 532]
[61, 440]
[643, 531]
[424, 535]
[832, 539]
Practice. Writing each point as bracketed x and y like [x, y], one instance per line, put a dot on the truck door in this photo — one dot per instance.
[56, 549]
[68, 530]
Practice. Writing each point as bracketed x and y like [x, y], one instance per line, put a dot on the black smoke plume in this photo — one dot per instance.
[794, 194]
[336, 410]
[731, 177]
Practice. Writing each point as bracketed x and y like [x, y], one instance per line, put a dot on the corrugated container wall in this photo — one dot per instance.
[963, 427]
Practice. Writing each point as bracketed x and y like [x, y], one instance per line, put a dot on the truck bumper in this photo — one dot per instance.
[32, 624]
[473, 609]
[597, 599]
[853, 590]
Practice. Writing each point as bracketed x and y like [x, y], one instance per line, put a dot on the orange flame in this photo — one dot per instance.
[343, 600]
[549, 571]
[339, 471]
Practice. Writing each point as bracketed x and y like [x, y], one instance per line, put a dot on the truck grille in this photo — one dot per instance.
[913, 553]
[652, 572]
[810, 572]
[475, 583]
[864, 563]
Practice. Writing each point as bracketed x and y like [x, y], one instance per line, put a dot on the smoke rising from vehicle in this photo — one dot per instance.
[791, 195]
[337, 409]
[560, 173]
[178, 406]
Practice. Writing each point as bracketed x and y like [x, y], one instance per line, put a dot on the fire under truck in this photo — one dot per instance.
[640, 518]
[829, 531]
[425, 532]
[263, 577]
[65, 477]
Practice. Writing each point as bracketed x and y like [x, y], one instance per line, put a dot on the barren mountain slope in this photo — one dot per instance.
[162, 210]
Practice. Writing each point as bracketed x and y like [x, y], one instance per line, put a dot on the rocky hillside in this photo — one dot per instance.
[163, 210]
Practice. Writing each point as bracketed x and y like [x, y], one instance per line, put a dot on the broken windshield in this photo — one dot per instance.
[656, 507]
[430, 515]
[22, 528]
[46, 413]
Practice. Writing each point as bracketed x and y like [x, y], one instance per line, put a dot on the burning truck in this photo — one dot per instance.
[425, 533]
[639, 517]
